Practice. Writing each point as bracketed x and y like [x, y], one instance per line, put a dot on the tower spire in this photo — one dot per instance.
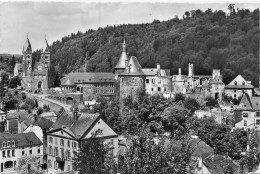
[27, 35]
[124, 50]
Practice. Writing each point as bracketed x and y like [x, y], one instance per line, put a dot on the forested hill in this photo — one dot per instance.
[206, 39]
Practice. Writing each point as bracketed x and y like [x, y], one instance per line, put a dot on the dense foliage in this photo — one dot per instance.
[205, 38]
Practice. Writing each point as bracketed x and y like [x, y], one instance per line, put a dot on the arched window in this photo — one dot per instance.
[243, 83]
[235, 83]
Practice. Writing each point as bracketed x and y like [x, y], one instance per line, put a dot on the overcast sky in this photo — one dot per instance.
[57, 19]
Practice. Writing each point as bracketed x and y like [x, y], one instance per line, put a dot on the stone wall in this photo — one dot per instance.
[41, 102]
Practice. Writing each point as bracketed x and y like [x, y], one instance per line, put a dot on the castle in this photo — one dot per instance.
[134, 79]
[34, 78]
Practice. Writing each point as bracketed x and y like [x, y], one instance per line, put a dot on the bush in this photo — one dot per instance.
[179, 97]
[211, 101]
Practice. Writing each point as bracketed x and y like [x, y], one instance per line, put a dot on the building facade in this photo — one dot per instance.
[35, 78]
[68, 131]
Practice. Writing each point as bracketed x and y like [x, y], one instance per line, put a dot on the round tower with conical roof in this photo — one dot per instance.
[122, 62]
[27, 57]
[132, 81]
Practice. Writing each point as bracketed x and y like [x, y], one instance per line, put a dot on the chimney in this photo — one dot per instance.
[179, 71]
[191, 70]
[75, 113]
[158, 66]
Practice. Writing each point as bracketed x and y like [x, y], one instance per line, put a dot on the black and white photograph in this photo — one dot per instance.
[129, 87]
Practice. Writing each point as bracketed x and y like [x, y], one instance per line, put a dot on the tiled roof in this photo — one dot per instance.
[43, 123]
[88, 77]
[133, 68]
[201, 148]
[239, 80]
[17, 114]
[22, 139]
[121, 64]
[48, 114]
[26, 139]
[249, 103]
[77, 127]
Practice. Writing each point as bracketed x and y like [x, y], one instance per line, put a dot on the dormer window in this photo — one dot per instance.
[235, 83]
[4, 144]
[31, 142]
[243, 83]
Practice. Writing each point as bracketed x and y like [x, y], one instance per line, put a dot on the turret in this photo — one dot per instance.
[122, 62]
[45, 54]
[191, 70]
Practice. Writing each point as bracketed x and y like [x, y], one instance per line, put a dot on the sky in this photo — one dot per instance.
[57, 19]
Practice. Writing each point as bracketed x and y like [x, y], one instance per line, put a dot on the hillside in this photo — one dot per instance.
[206, 39]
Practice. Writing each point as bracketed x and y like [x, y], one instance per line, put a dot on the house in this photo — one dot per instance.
[18, 120]
[15, 146]
[2, 115]
[90, 85]
[238, 86]
[68, 131]
[247, 114]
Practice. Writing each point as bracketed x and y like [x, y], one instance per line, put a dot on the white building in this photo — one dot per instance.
[70, 129]
[15, 146]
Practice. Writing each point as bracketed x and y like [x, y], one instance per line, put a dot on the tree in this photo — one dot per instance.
[148, 154]
[91, 156]
[211, 101]
[4, 78]
[191, 103]
[187, 13]
[29, 165]
[9, 102]
[14, 82]
[231, 8]
[12, 64]
[179, 97]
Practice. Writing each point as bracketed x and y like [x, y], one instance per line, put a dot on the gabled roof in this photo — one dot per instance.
[121, 64]
[133, 68]
[87, 77]
[78, 127]
[249, 103]
[27, 139]
[43, 123]
[239, 83]
[17, 114]
[27, 48]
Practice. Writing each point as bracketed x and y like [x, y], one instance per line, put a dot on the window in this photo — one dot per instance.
[243, 83]
[68, 144]
[39, 151]
[23, 152]
[8, 153]
[55, 165]
[50, 150]
[56, 151]
[4, 144]
[68, 167]
[30, 151]
[61, 142]
[31, 142]
[235, 82]
[147, 80]
[165, 89]
[13, 143]
[49, 164]
[257, 114]
[245, 123]
[8, 143]
[257, 122]
[68, 154]
[50, 140]
[62, 152]
[152, 89]
[133, 79]
[56, 141]
[159, 88]
[3, 153]
[235, 90]
[13, 153]
[245, 114]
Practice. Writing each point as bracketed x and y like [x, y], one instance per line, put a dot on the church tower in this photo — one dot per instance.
[45, 61]
[27, 58]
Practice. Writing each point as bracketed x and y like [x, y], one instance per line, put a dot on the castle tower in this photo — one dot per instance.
[122, 62]
[132, 81]
[27, 58]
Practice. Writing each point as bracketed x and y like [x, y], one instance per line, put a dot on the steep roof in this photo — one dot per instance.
[249, 103]
[239, 83]
[121, 64]
[17, 114]
[87, 77]
[43, 123]
[27, 48]
[78, 127]
[46, 48]
[133, 68]
[27, 139]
